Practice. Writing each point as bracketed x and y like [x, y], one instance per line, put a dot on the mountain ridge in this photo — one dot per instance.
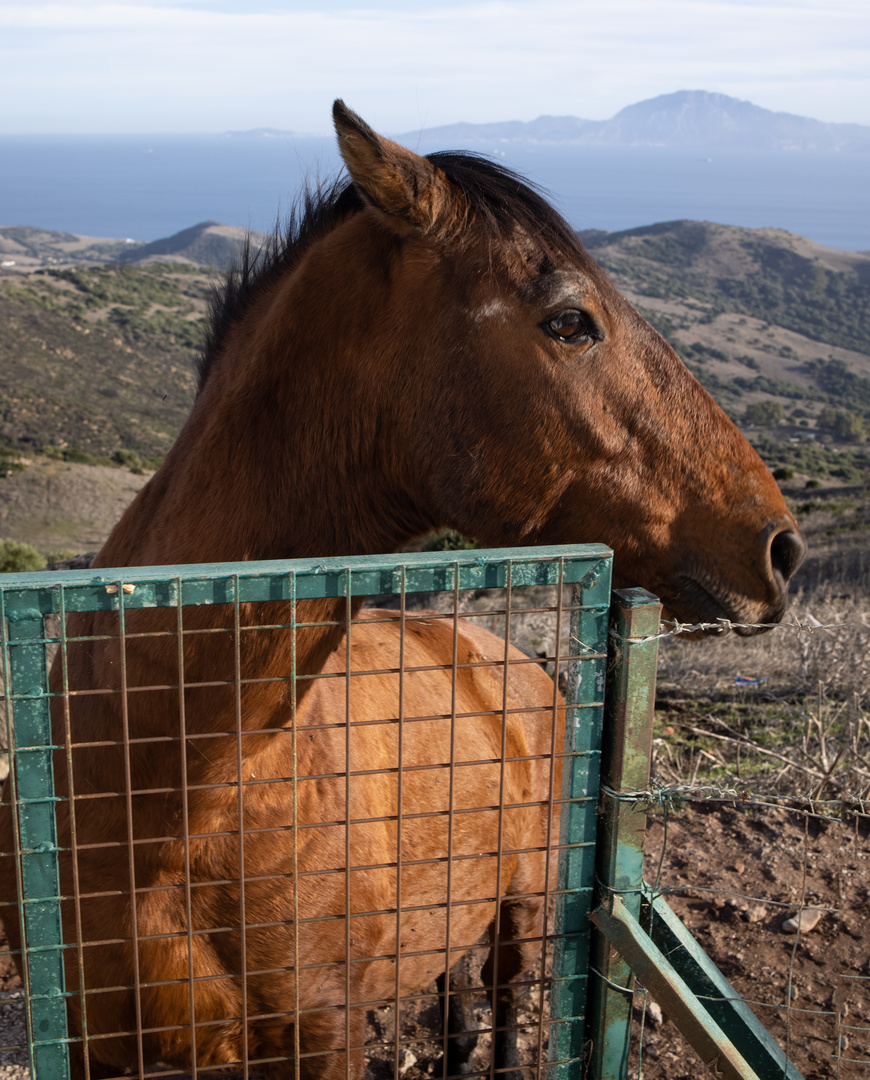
[685, 118]
[209, 243]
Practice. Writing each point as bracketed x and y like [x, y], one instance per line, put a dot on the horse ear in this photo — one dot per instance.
[415, 195]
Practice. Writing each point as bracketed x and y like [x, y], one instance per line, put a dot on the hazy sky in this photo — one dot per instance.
[210, 65]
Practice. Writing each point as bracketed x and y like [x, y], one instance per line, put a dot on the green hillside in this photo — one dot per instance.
[99, 358]
[769, 274]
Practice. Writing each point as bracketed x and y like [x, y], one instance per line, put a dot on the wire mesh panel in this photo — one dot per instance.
[270, 813]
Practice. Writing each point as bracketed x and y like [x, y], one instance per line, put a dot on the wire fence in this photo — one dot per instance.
[759, 830]
[284, 819]
[758, 819]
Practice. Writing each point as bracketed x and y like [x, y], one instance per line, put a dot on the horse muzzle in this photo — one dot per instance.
[701, 596]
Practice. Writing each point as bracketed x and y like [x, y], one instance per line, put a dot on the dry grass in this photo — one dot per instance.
[803, 730]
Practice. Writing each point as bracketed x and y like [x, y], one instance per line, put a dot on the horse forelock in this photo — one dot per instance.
[503, 207]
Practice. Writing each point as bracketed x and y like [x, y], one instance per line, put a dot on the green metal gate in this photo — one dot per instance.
[599, 848]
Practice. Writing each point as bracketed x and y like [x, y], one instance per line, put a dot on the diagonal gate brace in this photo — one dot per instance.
[714, 1027]
[722, 1001]
[659, 976]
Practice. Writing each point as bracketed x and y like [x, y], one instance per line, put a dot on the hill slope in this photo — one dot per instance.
[101, 358]
[206, 244]
[816, 292]
[24, 247]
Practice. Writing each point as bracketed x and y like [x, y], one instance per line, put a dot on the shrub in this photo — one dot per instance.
[764, 413]
[448, 540]
[16, 557]
[130, 459]
[847, 426]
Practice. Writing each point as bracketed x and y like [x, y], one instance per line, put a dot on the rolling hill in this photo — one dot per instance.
[98, 359]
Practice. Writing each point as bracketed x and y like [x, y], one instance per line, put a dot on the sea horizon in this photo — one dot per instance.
[146, 187]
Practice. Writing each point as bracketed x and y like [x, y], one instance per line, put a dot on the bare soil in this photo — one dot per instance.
[737, 876]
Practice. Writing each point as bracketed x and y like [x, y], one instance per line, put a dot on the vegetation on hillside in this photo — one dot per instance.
[747, 271]
[98, 360]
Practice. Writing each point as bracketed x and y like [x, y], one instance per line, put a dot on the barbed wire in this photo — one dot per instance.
[665, 795]
[672, 627]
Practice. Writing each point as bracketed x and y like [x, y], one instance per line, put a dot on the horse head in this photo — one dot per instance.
[541, 407]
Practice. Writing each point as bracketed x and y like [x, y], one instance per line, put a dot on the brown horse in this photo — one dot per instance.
[429, 346]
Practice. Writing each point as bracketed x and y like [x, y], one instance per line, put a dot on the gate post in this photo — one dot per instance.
[629, 706]
[584, 714]
[30, 786]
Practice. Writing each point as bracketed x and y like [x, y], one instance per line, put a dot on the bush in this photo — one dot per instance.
[448, 540]
[17, 558]
[846, 426]
[129, 459]
[764, 413]
[783, 473]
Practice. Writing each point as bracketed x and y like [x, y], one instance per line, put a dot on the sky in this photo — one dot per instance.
[132, 66]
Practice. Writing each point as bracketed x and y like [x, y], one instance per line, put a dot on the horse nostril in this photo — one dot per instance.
[787, 550]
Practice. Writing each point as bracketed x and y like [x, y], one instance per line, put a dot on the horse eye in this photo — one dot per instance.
[569, 326]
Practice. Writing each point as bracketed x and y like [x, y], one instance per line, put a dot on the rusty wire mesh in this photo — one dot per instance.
[402, 792]
[744, 835]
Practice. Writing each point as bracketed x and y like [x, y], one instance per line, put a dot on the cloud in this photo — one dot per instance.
[206, 65]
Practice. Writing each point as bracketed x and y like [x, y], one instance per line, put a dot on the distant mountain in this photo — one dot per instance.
[687, 118]
[207, 244]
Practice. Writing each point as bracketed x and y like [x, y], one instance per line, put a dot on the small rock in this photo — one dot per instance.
[754, 914]
[654, 1012]
[804, 920]
[739, 867]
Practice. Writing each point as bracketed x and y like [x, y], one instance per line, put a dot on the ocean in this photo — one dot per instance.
[147, 187]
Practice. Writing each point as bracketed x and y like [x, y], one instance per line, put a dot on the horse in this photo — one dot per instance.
[428, 345]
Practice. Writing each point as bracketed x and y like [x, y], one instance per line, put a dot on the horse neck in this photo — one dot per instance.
[277, 461]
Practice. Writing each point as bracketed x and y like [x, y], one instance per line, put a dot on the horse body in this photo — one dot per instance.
[451, 753]
[433, 348]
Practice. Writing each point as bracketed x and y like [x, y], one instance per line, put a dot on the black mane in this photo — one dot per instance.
[500, 199]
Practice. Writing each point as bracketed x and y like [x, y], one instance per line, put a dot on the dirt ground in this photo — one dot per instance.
[734, 876]
[64, 507]
[738, 875]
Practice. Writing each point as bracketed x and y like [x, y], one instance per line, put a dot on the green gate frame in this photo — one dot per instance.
[600, 868]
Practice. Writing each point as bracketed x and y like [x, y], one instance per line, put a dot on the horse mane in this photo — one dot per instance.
[500, 199]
